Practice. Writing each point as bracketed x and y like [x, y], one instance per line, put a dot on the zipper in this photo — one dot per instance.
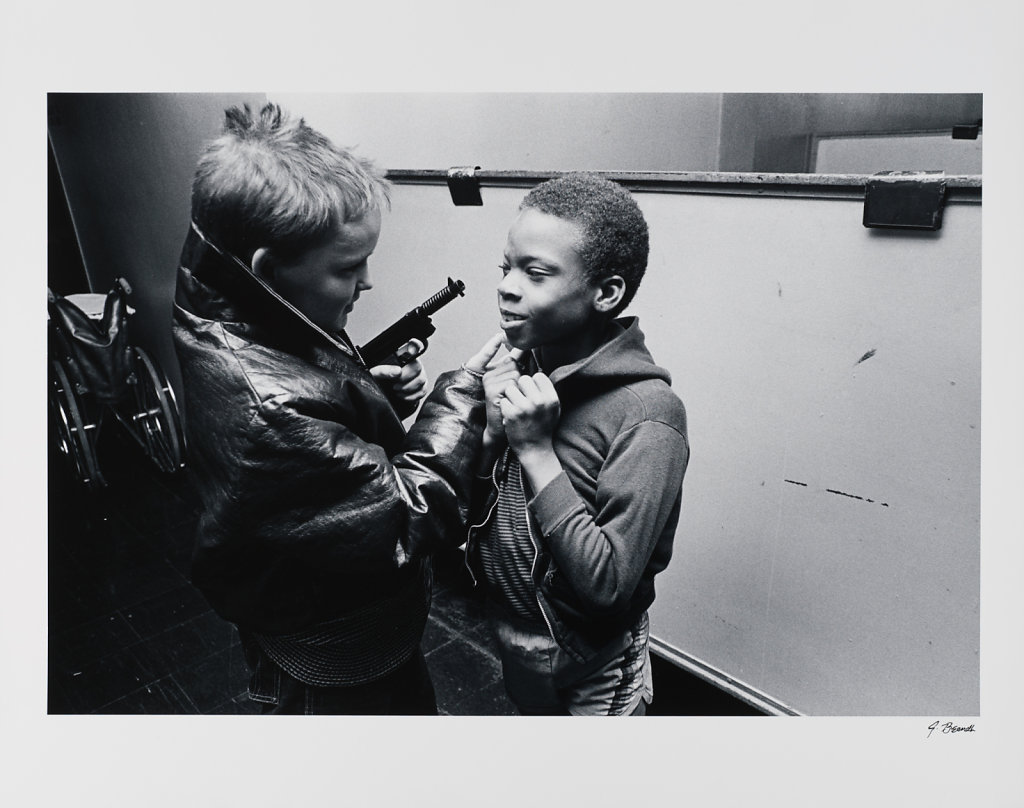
[533, 566]
[487, 518]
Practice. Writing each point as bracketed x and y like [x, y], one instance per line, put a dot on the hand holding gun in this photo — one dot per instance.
[414, 325]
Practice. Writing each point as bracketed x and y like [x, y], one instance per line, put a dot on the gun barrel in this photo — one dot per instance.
[443, 298]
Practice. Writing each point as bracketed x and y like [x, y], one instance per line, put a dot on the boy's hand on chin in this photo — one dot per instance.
[500, 372]
[530, 410]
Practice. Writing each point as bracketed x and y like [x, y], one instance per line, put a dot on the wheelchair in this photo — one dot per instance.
[96, 374]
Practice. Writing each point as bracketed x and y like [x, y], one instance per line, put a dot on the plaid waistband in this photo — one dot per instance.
[357, 647]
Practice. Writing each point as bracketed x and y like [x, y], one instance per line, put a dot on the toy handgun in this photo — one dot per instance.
[415, 325]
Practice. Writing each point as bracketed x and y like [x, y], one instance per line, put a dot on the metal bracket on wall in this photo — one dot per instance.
[967, 131]
[905, 200]
[464, 186]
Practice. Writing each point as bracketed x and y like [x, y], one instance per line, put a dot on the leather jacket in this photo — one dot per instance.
[316, 502]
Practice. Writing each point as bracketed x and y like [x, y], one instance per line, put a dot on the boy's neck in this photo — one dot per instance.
[554, 355]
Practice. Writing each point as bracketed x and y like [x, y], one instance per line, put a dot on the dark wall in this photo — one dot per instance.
[125, 163]
[770, 131]
[65, 272]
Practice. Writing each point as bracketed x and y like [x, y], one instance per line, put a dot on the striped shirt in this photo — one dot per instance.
[506, 551]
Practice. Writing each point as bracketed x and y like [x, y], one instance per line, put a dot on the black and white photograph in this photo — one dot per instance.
[815, 266]
[448, 415]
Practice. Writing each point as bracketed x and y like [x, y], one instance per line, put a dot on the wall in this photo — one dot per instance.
[828, 552]
[522, 131]
[126, 160]
[761, 130]
[873, 153]
[126, 164]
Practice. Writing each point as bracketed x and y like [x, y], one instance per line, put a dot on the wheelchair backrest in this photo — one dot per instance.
[96, 351]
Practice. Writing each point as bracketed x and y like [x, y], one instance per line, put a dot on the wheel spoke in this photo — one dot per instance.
[74, 436]
[156, 417]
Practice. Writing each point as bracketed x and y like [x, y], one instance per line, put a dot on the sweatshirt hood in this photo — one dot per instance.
[622, 359]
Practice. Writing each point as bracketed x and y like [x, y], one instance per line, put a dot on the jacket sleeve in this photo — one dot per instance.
[603, 554]
[437, 469]
[327, 497]
[403, 408]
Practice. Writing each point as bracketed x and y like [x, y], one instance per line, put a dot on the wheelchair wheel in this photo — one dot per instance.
[73, 439]
[155, 423]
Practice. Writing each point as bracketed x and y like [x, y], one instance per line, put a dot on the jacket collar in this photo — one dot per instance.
[224, 288]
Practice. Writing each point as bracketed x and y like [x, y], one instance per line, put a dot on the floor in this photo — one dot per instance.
[128, 634]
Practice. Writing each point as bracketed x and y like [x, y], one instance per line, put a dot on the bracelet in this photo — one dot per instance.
[475, 373]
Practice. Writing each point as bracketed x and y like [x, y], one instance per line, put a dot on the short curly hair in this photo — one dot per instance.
[270, 180]
[615, 237]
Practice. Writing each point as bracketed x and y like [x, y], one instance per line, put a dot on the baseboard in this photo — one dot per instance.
[734, 687]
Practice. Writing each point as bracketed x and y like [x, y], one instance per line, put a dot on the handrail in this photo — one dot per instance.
[959, 187]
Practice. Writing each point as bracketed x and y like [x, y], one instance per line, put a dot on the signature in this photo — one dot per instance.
[948, 728]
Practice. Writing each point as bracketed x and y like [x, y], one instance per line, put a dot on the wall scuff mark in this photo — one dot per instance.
[840, 493]
[854, 496]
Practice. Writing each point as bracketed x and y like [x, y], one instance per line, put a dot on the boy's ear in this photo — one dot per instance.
[263, 264]
[609, 293]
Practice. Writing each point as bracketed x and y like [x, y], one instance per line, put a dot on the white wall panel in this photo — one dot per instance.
[828, 551]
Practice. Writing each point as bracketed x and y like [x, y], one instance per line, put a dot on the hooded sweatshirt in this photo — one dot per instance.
[603, 529]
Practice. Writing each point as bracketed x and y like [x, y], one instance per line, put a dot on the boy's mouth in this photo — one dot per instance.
[509, 318]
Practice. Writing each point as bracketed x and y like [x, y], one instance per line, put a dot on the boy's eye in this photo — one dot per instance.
[534, 273]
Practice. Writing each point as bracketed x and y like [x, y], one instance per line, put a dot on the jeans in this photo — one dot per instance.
[542, 679]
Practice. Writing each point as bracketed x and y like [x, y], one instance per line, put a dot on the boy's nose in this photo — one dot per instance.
[363, 279]
[506, 288]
